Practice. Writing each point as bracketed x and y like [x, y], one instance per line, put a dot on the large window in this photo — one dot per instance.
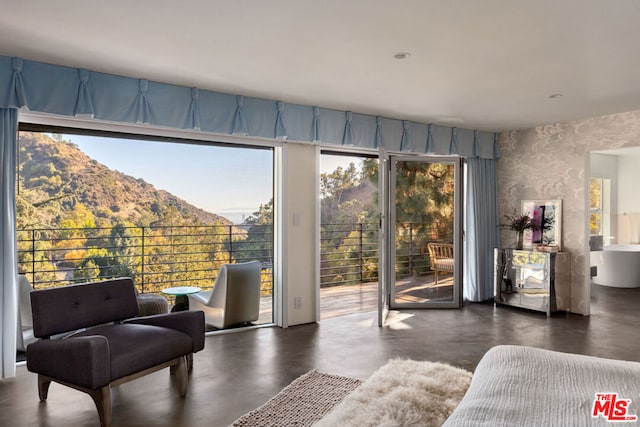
[164, 212]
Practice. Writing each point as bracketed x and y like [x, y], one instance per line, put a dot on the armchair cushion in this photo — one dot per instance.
[188, 322]
[133, 348]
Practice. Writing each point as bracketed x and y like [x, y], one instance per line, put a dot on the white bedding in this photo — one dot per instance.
[523, 386]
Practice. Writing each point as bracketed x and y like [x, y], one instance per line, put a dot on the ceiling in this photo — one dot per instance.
[488, 65]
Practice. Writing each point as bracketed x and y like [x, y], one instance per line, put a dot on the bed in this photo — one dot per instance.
[524, 386]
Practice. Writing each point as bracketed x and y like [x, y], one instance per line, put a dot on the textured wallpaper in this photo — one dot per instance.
[551, 162]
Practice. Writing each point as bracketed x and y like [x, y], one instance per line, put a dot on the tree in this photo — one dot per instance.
[333, 185]
[424, 197]
[424, 210]
[258, 244]
[124, 249]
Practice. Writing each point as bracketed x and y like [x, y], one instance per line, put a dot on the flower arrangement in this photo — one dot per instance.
[519, 223]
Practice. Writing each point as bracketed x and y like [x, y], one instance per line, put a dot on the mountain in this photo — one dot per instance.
[56, 176]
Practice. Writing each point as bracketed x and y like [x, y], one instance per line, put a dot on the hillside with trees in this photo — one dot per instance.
[79, 220]
[54, 174]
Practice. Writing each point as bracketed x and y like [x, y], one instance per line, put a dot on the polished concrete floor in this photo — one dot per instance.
[238, 372]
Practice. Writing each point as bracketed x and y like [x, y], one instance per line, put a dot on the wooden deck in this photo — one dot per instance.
[363, 297]
[349, 299]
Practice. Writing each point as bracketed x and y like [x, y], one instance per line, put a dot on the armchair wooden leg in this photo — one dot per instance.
[43, 387]
[102, 399]
[181, 376]
[189, 357]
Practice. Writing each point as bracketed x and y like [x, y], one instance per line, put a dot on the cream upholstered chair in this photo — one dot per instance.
[25, 319]
[235, 297]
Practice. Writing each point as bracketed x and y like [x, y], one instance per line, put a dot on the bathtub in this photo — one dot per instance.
[617, 266]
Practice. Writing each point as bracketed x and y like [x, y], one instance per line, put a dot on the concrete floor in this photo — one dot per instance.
[238, 372]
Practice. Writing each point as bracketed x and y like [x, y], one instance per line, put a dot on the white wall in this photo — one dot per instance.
[628, 180]
[301, 183]
[628, 201]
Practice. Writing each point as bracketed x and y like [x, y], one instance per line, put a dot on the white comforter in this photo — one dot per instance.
[523, 386]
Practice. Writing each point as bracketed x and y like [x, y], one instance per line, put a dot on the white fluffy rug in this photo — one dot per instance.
[402, 393]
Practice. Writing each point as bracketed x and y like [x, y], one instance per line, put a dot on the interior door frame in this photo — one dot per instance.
[389, 230]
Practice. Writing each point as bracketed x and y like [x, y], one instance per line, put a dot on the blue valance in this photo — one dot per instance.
[74, 92]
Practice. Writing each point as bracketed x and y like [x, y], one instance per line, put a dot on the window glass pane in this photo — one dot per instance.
[595, 223]
[166, 213]
[348, 234]
[595, 193]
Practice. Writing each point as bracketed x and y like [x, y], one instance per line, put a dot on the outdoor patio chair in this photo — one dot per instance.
[110, 346]
[441, 256]
[235, 297]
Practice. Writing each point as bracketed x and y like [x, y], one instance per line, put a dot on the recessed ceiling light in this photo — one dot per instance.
[555, 95]
[402, 55]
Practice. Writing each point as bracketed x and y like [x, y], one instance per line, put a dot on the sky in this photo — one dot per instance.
[229, 181]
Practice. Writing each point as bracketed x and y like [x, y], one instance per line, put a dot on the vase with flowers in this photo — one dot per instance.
[519, 223]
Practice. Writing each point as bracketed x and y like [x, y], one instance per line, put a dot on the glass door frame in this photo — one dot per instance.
[384, 292]
[387, 295]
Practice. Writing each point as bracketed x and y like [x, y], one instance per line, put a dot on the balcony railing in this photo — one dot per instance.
[349, 252]
[158, 257]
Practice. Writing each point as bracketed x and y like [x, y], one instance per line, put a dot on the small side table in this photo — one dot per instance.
[181, 292]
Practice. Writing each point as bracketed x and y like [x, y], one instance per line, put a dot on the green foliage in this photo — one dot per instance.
[349, 218]
[258, 243]
[423, 211]
[89, 270]
[77, 220]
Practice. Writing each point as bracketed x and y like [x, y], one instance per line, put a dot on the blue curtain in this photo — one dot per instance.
[481, 229]
[77, 92]
[8, 247]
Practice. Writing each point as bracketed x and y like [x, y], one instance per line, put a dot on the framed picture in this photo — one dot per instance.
[547, 216]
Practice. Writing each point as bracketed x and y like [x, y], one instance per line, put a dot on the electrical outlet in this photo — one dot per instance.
[297, 303]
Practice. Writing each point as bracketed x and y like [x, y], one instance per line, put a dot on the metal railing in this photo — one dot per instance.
[349, 252]
[158, 257]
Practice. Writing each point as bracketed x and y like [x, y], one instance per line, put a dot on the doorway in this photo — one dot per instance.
[349, 223]
[423, 208]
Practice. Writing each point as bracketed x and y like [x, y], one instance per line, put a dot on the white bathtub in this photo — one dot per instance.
[617, 266]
